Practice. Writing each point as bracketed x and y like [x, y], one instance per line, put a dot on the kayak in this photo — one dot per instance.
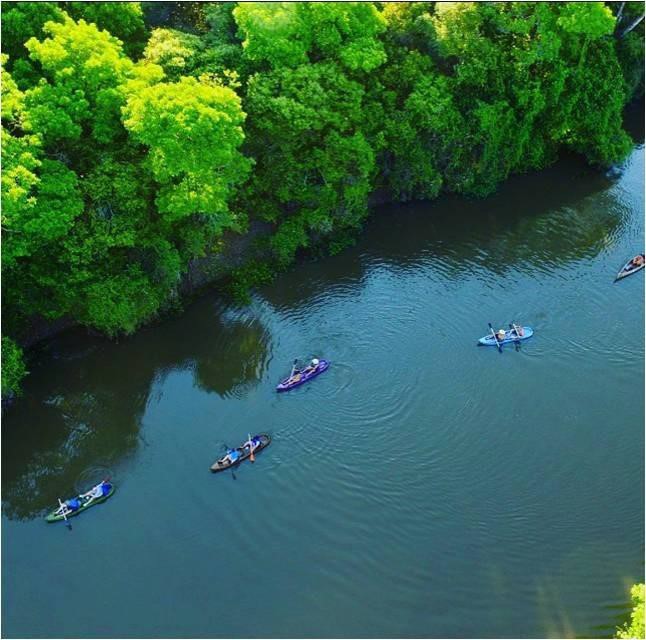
[628, 269]
[83, 504]
[510, 336]
[243, 454]
[301, 378]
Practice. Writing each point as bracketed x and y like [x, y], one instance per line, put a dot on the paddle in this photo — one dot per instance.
[293, 369]
[251, 456]
[495, 337]
[67, 522]
[514, 329]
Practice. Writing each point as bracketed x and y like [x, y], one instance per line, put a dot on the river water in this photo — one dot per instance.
[421, 487]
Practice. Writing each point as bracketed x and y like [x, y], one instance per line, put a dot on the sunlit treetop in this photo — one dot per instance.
[288, 34]
[591, 19]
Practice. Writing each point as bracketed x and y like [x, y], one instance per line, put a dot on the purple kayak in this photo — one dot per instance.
[301, 377]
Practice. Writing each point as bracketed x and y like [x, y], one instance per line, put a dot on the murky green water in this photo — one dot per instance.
[422, 487]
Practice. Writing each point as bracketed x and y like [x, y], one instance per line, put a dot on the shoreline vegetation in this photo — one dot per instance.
[150, 149]
[635, 628]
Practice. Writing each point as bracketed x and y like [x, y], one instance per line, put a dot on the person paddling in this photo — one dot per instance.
[295, 372]
[501, 335]
[312, 367]
[69, 506]
[637, 261]
[101, 489]
[251, 444]
[230, 457]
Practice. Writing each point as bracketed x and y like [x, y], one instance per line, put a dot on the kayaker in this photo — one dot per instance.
[72, 505]
[520, 332]
[312, 367]
[252, 444]
[638, 261]
[101, 489]
[501, 335]
[296, 372]
[231, 457]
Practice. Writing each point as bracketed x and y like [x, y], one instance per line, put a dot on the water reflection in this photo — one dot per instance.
[238, 356]
[537, 221]
[85, 399]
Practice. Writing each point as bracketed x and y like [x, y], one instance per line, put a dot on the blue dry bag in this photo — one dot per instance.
[73, 504]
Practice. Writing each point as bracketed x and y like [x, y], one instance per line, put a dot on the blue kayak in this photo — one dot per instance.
[301, 377]
[510, 336]
[629, 268]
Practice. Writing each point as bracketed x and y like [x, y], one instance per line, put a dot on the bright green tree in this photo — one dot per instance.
[288, 34]
[124, 20]
[192, 131]
[175, 52]
[309, 116]
[636, 627]
[78, 217]
[24, 20]
[79, 95]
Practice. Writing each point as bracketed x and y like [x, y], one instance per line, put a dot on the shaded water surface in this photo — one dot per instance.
[422, 487]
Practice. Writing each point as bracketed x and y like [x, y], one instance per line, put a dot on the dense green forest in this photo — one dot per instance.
[138, 137]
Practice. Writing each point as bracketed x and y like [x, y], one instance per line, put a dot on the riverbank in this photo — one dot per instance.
[217, 272]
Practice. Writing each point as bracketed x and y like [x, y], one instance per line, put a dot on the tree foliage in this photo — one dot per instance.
[520, 80]
[124, 20]
[174, 51]
[99, 220]
[24, 20]
[13, 367]
[635, 629]
[306, 99]
[192, 131]
[288, 34]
